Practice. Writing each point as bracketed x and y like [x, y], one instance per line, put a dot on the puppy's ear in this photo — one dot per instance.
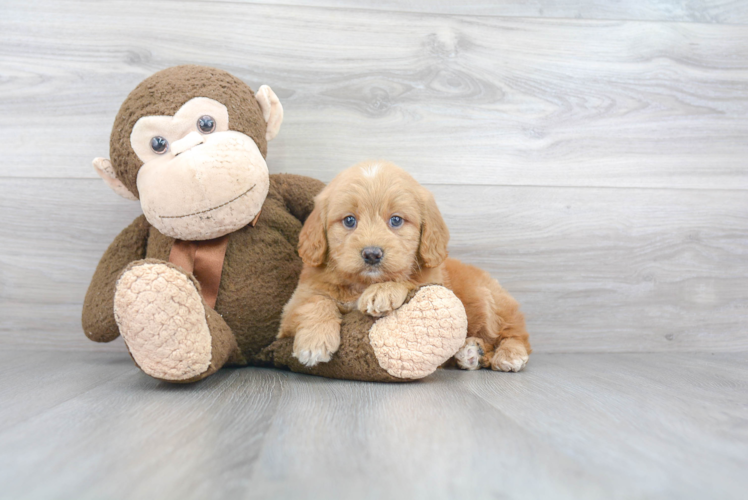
[434, 232]
[312, 239]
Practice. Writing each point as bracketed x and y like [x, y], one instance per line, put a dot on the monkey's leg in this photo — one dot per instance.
[407, 344]
[169, 330]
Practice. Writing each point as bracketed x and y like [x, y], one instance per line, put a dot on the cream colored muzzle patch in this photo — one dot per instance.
[211, 189]
[201, 184]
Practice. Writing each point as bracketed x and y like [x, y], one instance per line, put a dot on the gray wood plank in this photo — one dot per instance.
[36, 381]
[643, 417]
[135, 437]
[609, 270]
[53, 235]
[455, 99]
[422, 441]
[702, 11]
[595, 269]
[570, 426]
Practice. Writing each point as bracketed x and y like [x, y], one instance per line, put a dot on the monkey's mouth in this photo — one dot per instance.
[209, 209]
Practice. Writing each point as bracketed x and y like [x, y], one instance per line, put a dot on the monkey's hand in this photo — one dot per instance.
[382, 298]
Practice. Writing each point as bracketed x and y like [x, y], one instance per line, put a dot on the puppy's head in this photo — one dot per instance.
[374, 223]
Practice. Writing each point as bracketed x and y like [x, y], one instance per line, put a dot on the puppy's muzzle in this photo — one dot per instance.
[372, 255]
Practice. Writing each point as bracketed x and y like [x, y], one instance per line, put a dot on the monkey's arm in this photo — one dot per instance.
[98, 307]
[298, 193]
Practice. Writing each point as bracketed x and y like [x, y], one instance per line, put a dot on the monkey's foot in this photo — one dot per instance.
[414, 340]
[161, 316]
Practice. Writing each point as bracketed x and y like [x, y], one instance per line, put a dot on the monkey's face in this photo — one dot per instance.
[189, 143]
[199, 179]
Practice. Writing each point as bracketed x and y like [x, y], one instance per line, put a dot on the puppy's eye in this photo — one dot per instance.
[396, 221]
[159, 145]
[349, 222]
[206, 124]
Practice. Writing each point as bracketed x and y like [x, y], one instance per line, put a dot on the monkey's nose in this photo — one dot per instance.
[188, 141]
[372, 255]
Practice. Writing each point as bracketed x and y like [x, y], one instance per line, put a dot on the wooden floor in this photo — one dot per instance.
[91, 425]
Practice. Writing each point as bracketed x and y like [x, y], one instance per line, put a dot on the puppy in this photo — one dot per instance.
[374, 235]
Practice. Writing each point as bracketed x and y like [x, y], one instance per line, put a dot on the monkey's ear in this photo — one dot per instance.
[105, 170]
[272, 111]
[312, 239]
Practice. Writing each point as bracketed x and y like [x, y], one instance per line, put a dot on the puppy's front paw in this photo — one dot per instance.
[510, 357]
[382, 298]
[469, 356]
[316, 345]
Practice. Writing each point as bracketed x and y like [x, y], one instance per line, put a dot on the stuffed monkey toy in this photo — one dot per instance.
[199, 280]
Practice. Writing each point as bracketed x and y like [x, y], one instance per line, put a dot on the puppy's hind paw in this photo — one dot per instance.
[510, 358]
[469, 356]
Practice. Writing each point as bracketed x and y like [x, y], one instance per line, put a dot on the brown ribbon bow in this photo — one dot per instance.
[204, 259]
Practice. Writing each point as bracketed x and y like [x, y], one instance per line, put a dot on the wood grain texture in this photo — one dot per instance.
[454, 99]
[595, 269]
[666, 426]
[701, 11]
[591, 155]
[42, 380]
[596, 168]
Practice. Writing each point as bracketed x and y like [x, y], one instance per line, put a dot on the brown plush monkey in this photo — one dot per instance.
[199, 280]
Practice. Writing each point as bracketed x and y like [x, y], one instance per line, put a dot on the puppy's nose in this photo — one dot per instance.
[372, 255]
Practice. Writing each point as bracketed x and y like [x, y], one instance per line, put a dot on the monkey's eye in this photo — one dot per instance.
[349, 222]
[206, 124]
[396, 221]
[159, 145]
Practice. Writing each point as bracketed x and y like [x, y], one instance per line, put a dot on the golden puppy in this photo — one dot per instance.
[374, 235]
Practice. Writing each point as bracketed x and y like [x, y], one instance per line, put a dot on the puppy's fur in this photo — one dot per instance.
[337, 278]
